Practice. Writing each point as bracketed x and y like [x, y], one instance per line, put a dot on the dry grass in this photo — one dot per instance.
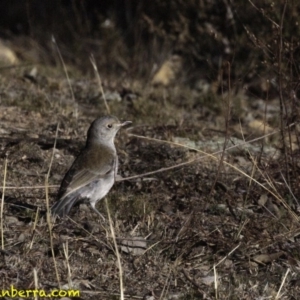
[193, 231]
[207, 206]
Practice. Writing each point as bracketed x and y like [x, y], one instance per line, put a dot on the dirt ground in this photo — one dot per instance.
[220, 226]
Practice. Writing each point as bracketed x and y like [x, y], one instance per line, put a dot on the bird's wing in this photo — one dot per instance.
[83, 178]
[76, 179]
[72, 188]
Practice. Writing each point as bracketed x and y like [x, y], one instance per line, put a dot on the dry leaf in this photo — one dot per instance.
[135, 245]
[266, 258]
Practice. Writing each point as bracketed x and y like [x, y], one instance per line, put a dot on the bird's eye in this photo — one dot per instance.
[109, 125]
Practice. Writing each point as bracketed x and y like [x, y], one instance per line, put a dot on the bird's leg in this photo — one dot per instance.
[97, 211]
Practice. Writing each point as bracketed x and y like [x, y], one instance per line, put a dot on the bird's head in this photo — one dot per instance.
[104, 129]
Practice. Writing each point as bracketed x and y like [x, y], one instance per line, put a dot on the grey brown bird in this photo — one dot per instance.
[93, 173]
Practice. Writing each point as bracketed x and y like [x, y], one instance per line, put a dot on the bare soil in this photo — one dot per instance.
[222, 227]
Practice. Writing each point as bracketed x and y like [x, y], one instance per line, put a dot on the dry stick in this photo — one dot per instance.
[215, 269]
[167, 168]
[250, 181]
[33, 229]
[226, 132]
[89, 233]
[149, 248]
[29, 187]
[278, 296]
[92, 59]
[2, 204]
[66, 253]
[263, 13]
[151, 172]
[117, 251]
[226, 256]
[47, 205]
[241, 227]
[252, 171]
[265, 118]
[211, 155]
[216, 282]
[193, 281]
[214, 158]
[36, 282]
[269, 181]
[67, 75]
[283, 110]
[199, 158]
[165, 285]
[290, 190]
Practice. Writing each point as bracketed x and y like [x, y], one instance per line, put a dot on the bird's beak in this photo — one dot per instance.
[125, 123]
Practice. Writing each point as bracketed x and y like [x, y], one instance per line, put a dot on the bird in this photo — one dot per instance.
[94, 171]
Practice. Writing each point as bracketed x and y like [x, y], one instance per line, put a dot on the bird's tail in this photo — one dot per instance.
[63, 206]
